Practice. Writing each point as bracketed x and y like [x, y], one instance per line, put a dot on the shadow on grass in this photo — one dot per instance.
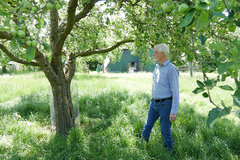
[32, 106]
[194, 139]
[111, 129]
[135, 119]
[99, 111]
[118, 139]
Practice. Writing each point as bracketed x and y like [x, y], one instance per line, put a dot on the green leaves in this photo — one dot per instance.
[198, 90]
[232, 28]
[234, 51]
[4, 28]
[236, 101]
[202, 39]
[237, 84]
[217, 113]
[200, 84]
[235, 48]
[167, 6]
[217, 46]
[200, 87]
[238, 113]
[183, 8]
[210, 83]
[226, 87]
[26, 4]
[46, 46]
[223, 67]
[16, 43]
[202, 20]
[30, 53]
[7, 22]
[188, 18]
[219, 14]
[237, 23]
[107, 21]
[205, 95]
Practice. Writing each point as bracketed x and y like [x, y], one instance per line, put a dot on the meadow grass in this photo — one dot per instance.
[113, 109]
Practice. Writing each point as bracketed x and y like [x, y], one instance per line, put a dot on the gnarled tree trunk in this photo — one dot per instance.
[61, 90]
[60, 77]
[63, 107]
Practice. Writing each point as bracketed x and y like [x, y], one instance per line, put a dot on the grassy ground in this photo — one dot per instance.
[113, 109]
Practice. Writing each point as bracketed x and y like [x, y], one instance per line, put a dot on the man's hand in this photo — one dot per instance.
[172, 117]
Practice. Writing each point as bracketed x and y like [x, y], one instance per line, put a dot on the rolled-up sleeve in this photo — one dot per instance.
[174, 86]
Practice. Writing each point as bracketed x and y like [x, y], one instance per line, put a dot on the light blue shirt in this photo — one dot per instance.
[166, 83]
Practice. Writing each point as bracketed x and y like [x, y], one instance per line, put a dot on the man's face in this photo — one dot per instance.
[156, 55]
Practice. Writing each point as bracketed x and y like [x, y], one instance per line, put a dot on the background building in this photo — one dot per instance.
[130, 63]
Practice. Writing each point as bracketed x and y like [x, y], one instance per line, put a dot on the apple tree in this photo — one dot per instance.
[52, 34]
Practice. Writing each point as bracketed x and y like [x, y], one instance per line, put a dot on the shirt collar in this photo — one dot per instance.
[164, 63]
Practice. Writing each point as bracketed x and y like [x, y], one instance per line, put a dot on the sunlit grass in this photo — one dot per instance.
[113, 109]
[13, 86]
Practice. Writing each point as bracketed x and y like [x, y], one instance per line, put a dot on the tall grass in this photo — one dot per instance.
[113, 109]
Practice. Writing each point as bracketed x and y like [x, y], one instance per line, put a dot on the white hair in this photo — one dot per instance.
[162, 48]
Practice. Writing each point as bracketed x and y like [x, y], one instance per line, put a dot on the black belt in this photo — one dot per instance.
[163, 99]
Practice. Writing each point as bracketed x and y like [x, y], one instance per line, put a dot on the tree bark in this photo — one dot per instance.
[63, 108]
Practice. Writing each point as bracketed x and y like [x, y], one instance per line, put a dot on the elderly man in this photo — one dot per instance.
[165, 96]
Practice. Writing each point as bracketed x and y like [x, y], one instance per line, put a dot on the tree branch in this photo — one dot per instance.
[204, 74]
[5, 35]
[46, 67]
[57, 41]
[88, 53]
[66, 29]
[86, 10]
[70, 67]
[226, 6]
[53, 28]
[209, 95]
[16, 59]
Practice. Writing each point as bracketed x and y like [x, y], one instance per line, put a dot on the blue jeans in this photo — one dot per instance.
[162, 110]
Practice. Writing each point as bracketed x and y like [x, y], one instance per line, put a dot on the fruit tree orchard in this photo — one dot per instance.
[52, 34]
